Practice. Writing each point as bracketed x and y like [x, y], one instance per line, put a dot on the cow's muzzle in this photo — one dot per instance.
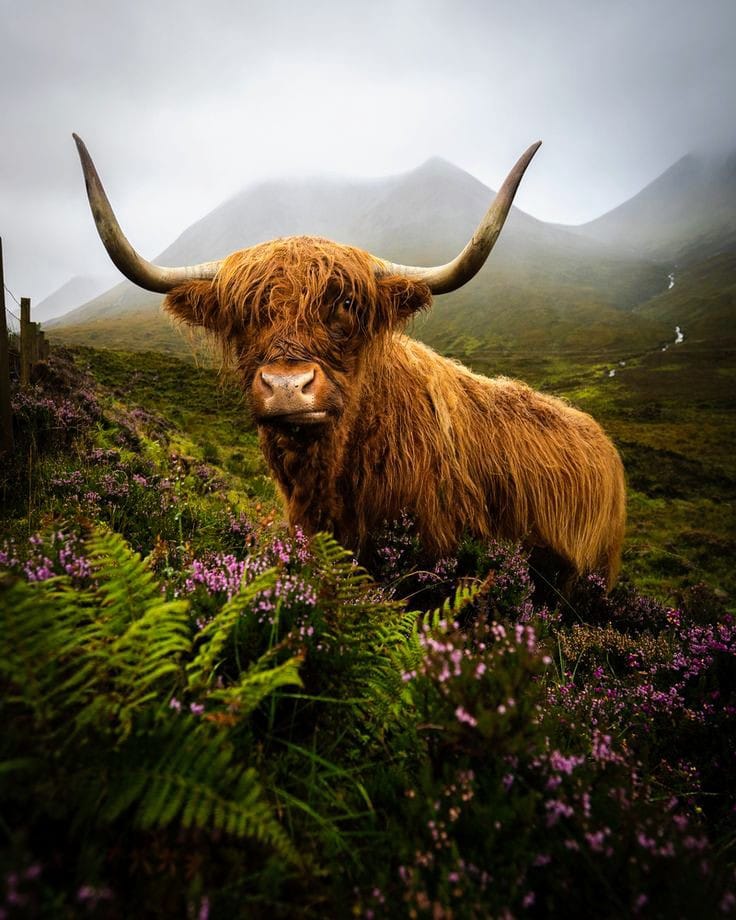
[293, 393]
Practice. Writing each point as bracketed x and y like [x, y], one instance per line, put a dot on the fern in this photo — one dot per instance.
[99, 654]
[341, 579]
[257, 683]
[96, 669]
[132, 643]
[217, 633]
[195, 781]
[371, 631]
[464, 595]
[125, 583]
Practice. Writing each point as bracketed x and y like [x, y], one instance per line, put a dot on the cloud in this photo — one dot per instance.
[183, 103]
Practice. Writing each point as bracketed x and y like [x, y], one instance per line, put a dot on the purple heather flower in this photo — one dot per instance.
[462, 715]
[563, 764]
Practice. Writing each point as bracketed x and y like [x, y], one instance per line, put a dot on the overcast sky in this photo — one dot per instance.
[184, 103]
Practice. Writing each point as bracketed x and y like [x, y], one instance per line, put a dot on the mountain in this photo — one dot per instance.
[538, 272]
[76, 291]
[685, 215]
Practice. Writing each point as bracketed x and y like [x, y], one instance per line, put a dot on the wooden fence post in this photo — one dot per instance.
[6, 417]
[35, 342]
[26, 341]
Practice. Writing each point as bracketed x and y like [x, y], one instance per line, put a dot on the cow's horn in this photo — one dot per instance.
[145, 274]
[445, 278]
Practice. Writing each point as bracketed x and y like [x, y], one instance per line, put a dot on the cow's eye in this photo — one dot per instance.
[341, 317]
[342, 308]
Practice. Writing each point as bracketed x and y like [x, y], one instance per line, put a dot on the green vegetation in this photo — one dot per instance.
[143, 330]
[703, 297]
[671, 414]
[204, 408]
[205, 715]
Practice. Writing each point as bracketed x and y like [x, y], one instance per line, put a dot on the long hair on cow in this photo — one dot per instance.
[360, 423]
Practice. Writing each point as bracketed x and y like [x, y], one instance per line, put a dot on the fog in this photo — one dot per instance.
[181, 104]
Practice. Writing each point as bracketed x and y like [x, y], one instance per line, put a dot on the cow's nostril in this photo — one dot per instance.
[287, 381]
[267, 380]
[306, 383]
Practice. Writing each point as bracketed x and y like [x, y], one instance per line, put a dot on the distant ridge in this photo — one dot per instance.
[424, 217]
[73, 292]
[686, 214]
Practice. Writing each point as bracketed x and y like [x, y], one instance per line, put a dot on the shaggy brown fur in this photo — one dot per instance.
[408, 429]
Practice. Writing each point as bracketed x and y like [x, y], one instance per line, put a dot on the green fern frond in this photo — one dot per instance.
[39, 643]
[465, 593]
[126, 584]
[93, 656]
[216, 634]
[194, 782]
[256, 684]
[336, 567]
[95, 669]
[371, 631]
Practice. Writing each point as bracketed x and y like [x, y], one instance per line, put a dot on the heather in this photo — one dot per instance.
[207, 715]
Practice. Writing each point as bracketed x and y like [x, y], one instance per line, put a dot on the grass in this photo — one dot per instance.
[243, 724]
[672, 416]
[206, 409]
[670, 413]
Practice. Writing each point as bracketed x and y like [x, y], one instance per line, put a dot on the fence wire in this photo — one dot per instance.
[10, 312]
[11, 294]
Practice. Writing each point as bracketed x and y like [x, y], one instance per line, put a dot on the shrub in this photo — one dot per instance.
[280, 712]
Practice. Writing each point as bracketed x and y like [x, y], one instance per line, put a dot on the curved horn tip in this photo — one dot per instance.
[79, 142]
[442, 279]
[531, 150]
[84, 155]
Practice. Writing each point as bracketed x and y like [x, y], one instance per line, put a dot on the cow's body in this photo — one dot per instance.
[359, 423]
[461, 453]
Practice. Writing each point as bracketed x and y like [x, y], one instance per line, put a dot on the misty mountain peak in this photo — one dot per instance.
[426, 215]
[437, 164]
[438, 168]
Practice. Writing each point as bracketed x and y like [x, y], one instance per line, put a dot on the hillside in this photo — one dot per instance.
[685, 215]
[138, 330]
[76, 290]
[537, 273]
[702, 301]
[242, 723]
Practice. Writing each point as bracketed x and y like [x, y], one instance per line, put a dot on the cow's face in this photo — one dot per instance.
[304, 318]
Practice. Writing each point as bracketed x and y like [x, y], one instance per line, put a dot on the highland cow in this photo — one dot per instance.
[359, 423]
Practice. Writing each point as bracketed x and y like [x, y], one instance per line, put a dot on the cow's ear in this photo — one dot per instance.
[402, 297]
[195, 303]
